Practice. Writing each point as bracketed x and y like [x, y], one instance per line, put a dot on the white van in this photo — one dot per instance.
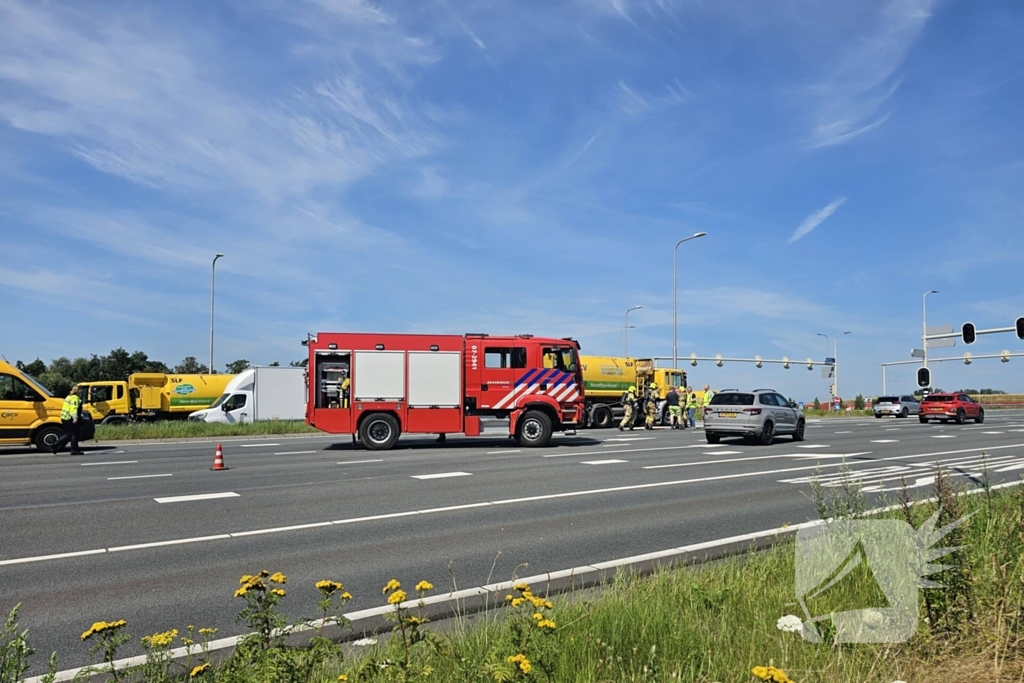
[261, 393]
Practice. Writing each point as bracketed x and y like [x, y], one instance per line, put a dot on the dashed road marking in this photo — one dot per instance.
[723, 453]
[602, 462]
[257, 445]
[442, 475]
[359, 462]
[814, 445]
[515, 450]
[140, 476]
[197, 496]
[885, 441]
[944, 436]
[844, 432]
[296, 453]
[113, 462]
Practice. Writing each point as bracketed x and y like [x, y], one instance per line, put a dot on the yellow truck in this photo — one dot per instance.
[30, 413]
[607, 378]
[152, 396]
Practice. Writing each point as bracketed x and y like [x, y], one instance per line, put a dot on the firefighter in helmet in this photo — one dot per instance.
[343, 388]
[629, 404]
[651, 406]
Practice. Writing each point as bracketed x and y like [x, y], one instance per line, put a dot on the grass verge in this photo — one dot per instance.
[717, 622]
[183, 429]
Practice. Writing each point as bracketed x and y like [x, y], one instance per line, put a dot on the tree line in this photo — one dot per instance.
[63, 373]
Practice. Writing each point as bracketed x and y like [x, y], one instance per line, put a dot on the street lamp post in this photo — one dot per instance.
[625, 331]
[835, 355]
[820, 334]
[675, 252]
[924, 325]
[213, 276]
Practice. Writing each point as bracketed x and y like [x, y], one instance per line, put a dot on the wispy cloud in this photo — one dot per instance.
[816, 219]
[635, 103]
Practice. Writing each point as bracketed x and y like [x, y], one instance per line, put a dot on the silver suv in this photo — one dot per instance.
[759, 415]
[899, 406]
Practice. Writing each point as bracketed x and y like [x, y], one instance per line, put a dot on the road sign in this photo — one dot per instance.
[942, 343]
[827, 373]
[830, 361]
[917, 353]
[938, 329]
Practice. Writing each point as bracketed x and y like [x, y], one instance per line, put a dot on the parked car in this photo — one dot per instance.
[758, 415]
[897, 406]
[946, 407]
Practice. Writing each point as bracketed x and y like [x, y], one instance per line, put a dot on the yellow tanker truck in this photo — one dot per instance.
[152, 396]
[607, 378]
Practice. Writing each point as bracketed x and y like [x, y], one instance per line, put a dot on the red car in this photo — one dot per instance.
[946, 407]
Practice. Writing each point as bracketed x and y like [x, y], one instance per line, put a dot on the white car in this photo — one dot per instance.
[897, 406]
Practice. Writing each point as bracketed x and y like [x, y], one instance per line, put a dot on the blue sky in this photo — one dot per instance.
[443, 166]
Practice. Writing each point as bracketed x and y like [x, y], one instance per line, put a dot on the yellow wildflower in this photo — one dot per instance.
[241, 592]
[246, 578]
[188, 642]
[199, 670]
[413, 621]
[279, 592]
[162, 639]
[424, 586]
[522, 661]
[517, 601]
[342, 678]
[391, 585]
[346, 596]
[328, 587]
[278, 577]
[760, 672]
[546, 623]
[208, 631]
[396, 597]
[508, 598]
[521, 587]
[538, 616]
[264, 573]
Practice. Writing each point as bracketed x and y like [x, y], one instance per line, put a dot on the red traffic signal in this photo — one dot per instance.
[924, 377]
[1020, 328]
[969, 333]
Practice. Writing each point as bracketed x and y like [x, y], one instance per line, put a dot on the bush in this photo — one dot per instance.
[858, 402]
[817, 403]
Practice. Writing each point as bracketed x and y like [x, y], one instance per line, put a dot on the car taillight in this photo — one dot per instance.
[752, 411]
[707, 411]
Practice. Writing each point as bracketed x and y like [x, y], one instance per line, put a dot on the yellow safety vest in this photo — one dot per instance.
[69, 411]
[706, 398]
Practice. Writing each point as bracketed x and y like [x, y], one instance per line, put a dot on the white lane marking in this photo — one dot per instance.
[116, 462]
[160, 544]
[1018, 466]
[993, 432]
[893, 429]
[1017, 430]
[59, 556]
[844, 432]
[723, 453]
[517, 450]
[815, 445]
[275, 530]
[885, 441]
[442, 475]
[197, 496]
[633, 438]
[257, 445]
[944, 436]
[359, 462]
[296, 453]
[751, 459]
[139, 476]
[602, 462]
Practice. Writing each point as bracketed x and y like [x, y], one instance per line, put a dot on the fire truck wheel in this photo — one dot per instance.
[534, 429]
[379, 432]
[601, 417]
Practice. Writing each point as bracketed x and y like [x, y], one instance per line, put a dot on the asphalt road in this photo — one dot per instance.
[135, 532]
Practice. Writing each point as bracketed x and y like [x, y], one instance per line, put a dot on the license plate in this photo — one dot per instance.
[727, 415]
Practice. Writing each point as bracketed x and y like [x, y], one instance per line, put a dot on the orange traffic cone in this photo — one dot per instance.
[218, 460]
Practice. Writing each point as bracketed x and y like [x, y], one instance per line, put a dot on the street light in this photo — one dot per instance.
[835, 359]
[675, 252]
[625, 331]
[213, 275]
[924, 326]
[826, 341]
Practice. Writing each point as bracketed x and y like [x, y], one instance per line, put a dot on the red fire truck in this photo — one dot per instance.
[379, 386]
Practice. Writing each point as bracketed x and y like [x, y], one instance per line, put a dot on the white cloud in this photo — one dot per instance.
[816, 219]
[635, 103]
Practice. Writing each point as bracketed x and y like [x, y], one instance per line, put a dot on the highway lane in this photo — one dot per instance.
[592, 498]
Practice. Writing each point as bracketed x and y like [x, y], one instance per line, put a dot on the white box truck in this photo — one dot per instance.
[260, 393]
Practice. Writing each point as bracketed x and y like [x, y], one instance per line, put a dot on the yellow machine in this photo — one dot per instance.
[152, 396]
[29, 413]
[607, 378]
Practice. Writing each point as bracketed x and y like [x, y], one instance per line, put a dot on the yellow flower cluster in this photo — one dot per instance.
[279, 592]
[391, 585]
[250, 582]
[329, 587]
[162, 639]
[342, 678]
[542, 622]
[278, 577]
[771, 674]
[522, 661]
[208, 631]
[397, 597]
[103, 626]
[424, 586]
[527, 596]
[413, 621]
[199, 670]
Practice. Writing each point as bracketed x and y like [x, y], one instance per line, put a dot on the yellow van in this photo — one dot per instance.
[29, 413]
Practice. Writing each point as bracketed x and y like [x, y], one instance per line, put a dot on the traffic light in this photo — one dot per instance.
[1020, 328]
[969, 333]
[924, 377]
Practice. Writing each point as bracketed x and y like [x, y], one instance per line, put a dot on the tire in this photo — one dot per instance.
[601, 417]
[47, 436]
[981, 417]
[379, 432]
[878, 416]
[904, 413]
[114, 420]
[798, 435]
[923, 420]
[961, 417]
[712, 437]
[767, 434]
[533, 429]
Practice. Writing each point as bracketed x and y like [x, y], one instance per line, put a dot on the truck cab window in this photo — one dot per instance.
[12, 389]
[101, 393]
[504, 357]
[234, 403]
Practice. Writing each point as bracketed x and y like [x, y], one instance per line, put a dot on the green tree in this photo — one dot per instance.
[191, 366]
[858, 402]
[275, 364]
[35, 368]
[237, 366]
[817, 403]
[299, 363]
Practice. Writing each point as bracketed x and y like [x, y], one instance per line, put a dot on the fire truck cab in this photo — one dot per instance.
[379, 386]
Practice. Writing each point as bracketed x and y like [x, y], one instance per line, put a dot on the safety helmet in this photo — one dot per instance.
[632, 390]
[653, 385]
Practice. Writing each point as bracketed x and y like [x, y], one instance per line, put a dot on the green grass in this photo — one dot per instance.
[714, 622]
[811, 412]
[182, 429]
